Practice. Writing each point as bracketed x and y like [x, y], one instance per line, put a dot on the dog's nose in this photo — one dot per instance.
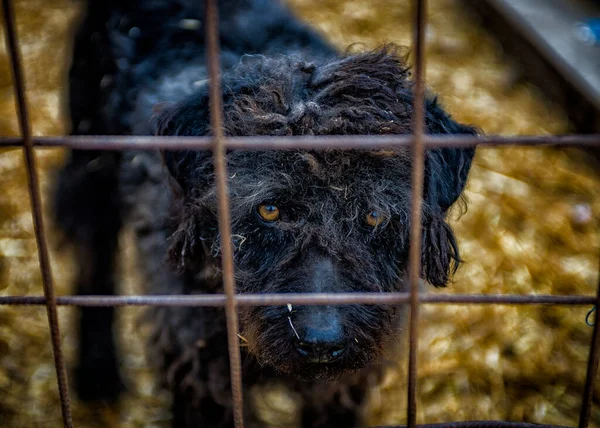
[320, 345]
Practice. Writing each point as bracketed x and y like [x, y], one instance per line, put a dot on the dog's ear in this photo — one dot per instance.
[189, 169]
[446, 172]
[446, 169]
[186, 252]
[439, 252]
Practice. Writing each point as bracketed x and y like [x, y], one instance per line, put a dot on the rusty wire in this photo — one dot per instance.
[218, 143]
[480, 424]
[36, 211]
[348, 142]
[216, 122]
[418, 164]
[216, 300]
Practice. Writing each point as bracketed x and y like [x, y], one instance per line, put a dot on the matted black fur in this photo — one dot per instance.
[343, 225]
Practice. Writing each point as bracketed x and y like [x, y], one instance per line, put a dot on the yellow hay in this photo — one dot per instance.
[531, 227]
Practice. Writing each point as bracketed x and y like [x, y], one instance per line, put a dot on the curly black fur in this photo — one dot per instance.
[138, 69]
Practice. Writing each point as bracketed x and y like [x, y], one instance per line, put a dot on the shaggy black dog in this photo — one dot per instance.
[303, 220]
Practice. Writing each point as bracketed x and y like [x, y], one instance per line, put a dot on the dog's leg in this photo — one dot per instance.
[88, 210]
[190, 347]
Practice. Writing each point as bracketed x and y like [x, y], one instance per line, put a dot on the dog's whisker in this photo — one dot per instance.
[293, 328]
[243, 338]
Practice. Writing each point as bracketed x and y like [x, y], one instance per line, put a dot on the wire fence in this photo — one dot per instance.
[418, 141]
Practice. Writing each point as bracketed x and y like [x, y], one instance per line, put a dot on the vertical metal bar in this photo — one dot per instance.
[418, 163]
[592, 368]
[216, 120]
[36, 211]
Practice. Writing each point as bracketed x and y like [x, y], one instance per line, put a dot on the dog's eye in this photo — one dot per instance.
[268, 212]
[374, 218]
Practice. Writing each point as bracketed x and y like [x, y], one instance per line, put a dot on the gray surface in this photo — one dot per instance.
[549, 25]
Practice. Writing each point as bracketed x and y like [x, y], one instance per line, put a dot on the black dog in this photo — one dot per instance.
[303, 221]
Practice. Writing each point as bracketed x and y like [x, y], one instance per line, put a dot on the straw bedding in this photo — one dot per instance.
[531, 227]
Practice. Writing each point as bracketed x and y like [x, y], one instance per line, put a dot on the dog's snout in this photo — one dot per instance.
[320, 337]
[320, 350]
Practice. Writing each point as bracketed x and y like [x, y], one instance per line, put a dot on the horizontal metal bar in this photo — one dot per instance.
[480, 424]
[302, 299]
[111, 142]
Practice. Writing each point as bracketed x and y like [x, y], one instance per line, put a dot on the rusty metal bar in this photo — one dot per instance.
[216, 300]
[36, 210]
[216, 122]
[592, 368]
[110, 142]
[482, 424]
[418, 164]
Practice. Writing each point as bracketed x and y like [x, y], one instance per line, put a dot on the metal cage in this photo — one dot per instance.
[230, 300]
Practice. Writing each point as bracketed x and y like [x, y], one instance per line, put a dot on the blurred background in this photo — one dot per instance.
[518, 67]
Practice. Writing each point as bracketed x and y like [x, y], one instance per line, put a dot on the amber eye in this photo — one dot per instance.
[374, 218]
[268, 212]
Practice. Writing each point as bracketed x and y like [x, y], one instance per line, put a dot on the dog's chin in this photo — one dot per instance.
[319, 372]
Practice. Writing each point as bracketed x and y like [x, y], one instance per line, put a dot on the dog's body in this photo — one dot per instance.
[303, 221]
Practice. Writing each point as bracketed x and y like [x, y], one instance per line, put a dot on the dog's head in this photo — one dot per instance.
[316, 221]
